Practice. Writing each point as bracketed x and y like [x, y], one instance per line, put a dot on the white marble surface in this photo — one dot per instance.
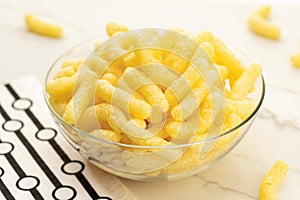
[274, 135]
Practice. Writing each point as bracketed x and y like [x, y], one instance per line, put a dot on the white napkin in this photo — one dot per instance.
[37, 163]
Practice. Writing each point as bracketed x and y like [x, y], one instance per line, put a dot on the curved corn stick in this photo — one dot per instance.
[225, 56]
[271, 181]
[190, 103]
[36, 25]
[243, 85]
[113, 27]
[61, 88]
[118, 97]
[259, 24]
[151, 92]
[295, 59]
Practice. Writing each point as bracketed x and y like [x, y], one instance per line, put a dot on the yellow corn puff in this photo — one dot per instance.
[41, 27]
[225, 56]
[271, 181]
[61, 88]
[259, 25]
[243, 85]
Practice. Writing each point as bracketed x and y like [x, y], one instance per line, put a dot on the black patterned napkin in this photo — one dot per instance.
[35, 160]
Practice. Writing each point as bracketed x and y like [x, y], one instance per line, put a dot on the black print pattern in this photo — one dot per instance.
[5, 191]
[22, 175]
[45, 134]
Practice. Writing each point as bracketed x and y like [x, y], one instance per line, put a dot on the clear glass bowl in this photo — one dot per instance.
[147, 163]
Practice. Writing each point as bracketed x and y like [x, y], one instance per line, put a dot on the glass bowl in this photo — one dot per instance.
[147, 163]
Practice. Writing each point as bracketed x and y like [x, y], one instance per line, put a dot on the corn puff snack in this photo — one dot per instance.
[258, 23]
[36, 25]
[271, 181]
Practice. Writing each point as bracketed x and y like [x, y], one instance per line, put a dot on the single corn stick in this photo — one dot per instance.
[41, 27]
[61, 88]
[259, 25]
[243, 85]
[271, 181]
[225, 56]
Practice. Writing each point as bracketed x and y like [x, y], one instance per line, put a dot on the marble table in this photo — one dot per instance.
[276, 131]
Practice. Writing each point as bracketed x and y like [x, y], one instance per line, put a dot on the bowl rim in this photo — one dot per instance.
[172, 146]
